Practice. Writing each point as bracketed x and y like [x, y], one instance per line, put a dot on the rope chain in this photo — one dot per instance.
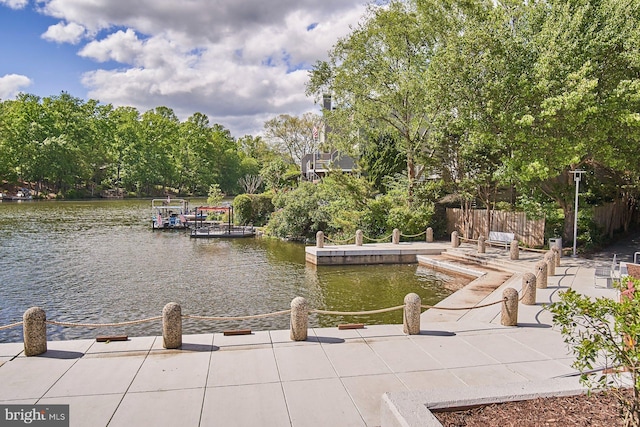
[413, 235]
[466, 308]
[254, 316]
[13, 325]
[339, 241]
[381, 239]
[358, 313]
[102, 325]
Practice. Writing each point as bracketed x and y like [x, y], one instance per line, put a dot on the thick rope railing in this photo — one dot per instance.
[465, 308]
[225, 318]
[357, 313]
[102, 325]
[338, 241]
[411, 236]
[12, 325]
[381, 239]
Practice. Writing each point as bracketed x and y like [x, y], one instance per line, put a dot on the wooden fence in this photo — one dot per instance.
[610, 216]
[477, 222]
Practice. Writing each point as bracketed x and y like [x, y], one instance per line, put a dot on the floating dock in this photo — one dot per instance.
[373, 253]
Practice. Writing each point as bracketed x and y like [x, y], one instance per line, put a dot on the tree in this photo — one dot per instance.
[293, 136]
[376, 77]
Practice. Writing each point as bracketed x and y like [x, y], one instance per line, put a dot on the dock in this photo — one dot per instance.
[373, 253]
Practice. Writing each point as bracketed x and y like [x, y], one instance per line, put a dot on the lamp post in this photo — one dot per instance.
[577, 174]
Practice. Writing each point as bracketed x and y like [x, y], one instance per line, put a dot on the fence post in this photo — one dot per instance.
[34, 329]
[172, 325]
[514, 250]
[299, 319]
[320, 239]
[429, 234]
[556, 251]
[541, 275]
[395, 237]
[550, 259]
[411, 321]
[359, 238]
[529, 289]
[455, 240]
[509, 312]
[482, 247]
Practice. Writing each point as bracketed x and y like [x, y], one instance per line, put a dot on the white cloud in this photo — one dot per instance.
[11, 84]
[240, 63]
[15, 4]
[64, 33]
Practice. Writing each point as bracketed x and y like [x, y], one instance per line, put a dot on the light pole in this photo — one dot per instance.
[577, 174]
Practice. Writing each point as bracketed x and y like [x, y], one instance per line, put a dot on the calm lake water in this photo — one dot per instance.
[100, 262]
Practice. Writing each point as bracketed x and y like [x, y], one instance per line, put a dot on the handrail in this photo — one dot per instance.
[339, 241]
[102, 325]
[381, 239]
[12, 325]
[254, 316]
[411, 236]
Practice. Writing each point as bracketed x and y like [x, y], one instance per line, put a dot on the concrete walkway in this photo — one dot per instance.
[336, 377]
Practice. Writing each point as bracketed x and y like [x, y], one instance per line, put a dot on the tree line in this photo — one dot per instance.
[497, 102]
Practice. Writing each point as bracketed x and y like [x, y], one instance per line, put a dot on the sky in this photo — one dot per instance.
[240, 62]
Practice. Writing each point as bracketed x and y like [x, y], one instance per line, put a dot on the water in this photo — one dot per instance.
[100, 262]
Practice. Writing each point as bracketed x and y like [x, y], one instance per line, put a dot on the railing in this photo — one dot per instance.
[360, 237]
[35, 332]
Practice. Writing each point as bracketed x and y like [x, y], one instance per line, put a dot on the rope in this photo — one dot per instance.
[413, 235]
[382, 239]
[13, 325]
[255, 316]
[340, 241]
[465, 308]
[102, 325]
[358, 313]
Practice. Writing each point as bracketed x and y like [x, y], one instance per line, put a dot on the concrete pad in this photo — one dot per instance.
[381, 331]
[403, 355]
[335, 408]
[543, 340]
[171, 371]
[87, 410]
[503, 348]
[487, 375]
[132, 344]
[354, 358]
[11, 349]
[72, 346]
[424, 380]
[335, 333]
[245, 405]
[26, 378]
[97, 375]
[303, 363]
[543, 369]
[453, 352]
[195, 342]
[260, 337]
[366, 392]
[161, 408]
[231, 366]
[4, 359]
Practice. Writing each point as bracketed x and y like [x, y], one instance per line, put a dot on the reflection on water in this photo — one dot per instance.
[100, 262]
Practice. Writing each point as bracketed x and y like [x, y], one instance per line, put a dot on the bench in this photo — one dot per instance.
[610, 273]
[501, 238]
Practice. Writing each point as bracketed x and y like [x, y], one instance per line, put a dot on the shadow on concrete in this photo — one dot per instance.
[61, 354]
[438, 333]
[199, 347]
[329, 340]
[534, 325]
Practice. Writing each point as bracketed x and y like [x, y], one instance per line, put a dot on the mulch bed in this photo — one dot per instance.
[600, 409]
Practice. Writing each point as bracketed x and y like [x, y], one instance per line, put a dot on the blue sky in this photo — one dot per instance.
[239, 62]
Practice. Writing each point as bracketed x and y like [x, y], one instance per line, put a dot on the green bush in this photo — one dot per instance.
[603, 331]
[253, 208]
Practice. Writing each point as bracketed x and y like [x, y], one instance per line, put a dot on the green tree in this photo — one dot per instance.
[376, 77]
[293, 136]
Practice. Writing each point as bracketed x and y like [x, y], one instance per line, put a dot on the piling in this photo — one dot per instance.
[299, 319]
[509, 313]
[35, 331]
[172, 326]
[320, 239]
[411, 321]
[429, 235]
[529, 289]
[514, 250]
[482, 247]
[455, 240]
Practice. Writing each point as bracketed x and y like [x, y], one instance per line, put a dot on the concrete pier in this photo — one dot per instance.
[372, 253]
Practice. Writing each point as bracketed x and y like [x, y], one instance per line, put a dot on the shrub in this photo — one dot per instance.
[253, 208]
[605, 331]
